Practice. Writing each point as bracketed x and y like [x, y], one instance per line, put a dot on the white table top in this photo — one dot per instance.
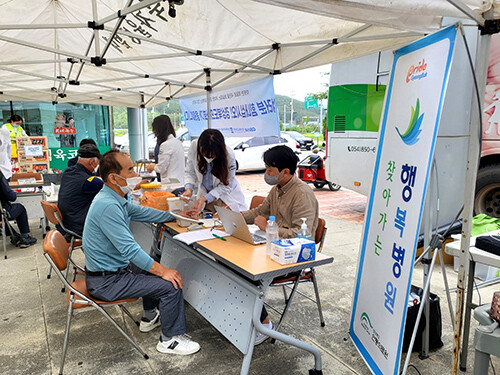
[477, 255]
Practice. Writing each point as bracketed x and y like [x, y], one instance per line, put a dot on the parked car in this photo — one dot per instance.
[186, 139]
[306, 143]
[123, 145]
[249, 151]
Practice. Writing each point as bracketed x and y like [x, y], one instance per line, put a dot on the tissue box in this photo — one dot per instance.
[293, 250]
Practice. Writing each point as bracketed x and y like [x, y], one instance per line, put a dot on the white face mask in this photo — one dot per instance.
[208, 160]
[131, 183]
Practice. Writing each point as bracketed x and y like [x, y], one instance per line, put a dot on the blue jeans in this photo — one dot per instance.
[155, 292]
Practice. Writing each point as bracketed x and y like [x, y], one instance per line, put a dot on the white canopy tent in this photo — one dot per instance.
[132, 53]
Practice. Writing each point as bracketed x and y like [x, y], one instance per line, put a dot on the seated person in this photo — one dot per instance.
[84, 141]
[289, 200]
[110, 251]
[15, 211]
[78, 188]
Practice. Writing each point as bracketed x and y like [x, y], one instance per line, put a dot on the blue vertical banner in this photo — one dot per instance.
[246, 110]
[412, 109]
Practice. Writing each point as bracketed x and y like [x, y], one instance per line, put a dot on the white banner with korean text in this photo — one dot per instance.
[407, 137]
[246, 110]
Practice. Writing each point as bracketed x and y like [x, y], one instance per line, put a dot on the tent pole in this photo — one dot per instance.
[461, 6]
[481, 66]
[113, 33]
[208, 88]
[96, 32]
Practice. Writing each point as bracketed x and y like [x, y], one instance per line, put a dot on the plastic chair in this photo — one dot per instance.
[54, 216]
[56, 251]
[486, 339]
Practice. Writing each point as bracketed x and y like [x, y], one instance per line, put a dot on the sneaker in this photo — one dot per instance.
[148, 325]
[181, 345]
[26, 242]
[260, 337]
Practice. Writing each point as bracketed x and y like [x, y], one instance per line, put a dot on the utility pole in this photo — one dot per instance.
[291, 111]
[284, 114]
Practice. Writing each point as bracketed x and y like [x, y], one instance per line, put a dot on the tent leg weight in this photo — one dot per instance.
[315, 372]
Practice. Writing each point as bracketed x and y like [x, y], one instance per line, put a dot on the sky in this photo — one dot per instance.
[300, 83]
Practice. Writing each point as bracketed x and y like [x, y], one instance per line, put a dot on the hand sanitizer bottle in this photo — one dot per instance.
[304, 232]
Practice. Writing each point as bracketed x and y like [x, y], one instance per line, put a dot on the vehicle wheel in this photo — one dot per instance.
[487, 199]
[333, 187]
[319, 184]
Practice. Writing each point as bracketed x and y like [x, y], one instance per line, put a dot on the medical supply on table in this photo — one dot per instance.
[304, 232]
[175, 204]
[293, 250]
[195, 227]
[272, 233]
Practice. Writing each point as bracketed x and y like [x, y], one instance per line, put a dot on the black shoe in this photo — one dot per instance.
[27, 242]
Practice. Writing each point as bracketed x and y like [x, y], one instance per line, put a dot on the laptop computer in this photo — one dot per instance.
[234, 224]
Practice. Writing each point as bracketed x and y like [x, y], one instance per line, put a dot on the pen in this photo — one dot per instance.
[219, 237]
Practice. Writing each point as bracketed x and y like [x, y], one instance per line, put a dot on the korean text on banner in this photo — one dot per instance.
[245, 110]
[407, 138]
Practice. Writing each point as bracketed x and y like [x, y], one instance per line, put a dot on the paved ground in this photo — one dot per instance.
[33, 317]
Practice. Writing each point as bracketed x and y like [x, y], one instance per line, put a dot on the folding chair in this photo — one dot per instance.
[308, 274]
[54, 216]
[256, 201]
[5, 224]
[56, 251]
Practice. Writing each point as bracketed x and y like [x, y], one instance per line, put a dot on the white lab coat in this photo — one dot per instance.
[171, 163]
[5, 153]
[231, 194]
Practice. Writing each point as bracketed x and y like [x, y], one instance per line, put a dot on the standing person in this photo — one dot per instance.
[5, 153]
[212, 165]
[15, 131]
[78, 188]
[15, 211]
[169, 154]
[110, 249]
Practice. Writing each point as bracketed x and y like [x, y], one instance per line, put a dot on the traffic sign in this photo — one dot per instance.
[310, 102]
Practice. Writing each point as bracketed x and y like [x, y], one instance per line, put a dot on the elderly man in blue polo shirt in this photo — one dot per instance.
[109, 248]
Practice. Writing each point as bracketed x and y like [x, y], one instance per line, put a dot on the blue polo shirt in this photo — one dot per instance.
[108, 243]
[78, 188]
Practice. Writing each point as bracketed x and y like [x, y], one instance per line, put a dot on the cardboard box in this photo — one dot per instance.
[34, 167]
[30, 159]
[293, 250]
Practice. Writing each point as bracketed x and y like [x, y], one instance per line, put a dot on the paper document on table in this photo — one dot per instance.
[199, 235]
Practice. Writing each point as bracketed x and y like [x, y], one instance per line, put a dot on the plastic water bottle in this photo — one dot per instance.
[272, 233]
[304, 231]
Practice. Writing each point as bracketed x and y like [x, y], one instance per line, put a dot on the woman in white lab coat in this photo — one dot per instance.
[212, 166]
[169, 154]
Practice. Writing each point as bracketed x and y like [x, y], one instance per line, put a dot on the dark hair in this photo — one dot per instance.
[87, 141]
[15, 118]
[109, 164]
[281, 157]
[211, 144]
[162, 128]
